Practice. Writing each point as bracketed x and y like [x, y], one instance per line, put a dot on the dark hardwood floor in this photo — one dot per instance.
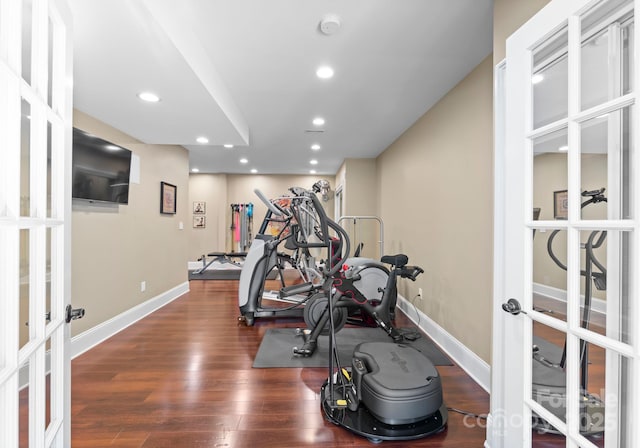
[183, 377]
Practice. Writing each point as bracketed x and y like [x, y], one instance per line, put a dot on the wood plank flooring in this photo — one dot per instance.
[183, 377]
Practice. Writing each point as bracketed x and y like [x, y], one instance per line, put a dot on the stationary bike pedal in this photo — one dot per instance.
[301, 351]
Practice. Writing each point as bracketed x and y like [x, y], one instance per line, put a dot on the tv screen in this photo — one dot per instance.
[100, 169]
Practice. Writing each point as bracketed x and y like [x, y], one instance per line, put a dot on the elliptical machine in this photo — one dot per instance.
[391, 391]
[548, 376]
[293, 225]
[293, 222]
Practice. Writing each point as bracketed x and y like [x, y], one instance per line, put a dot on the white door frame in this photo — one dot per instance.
[498, 355]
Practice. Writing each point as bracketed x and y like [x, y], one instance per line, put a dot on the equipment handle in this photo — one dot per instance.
[268, 203]
[323, 226]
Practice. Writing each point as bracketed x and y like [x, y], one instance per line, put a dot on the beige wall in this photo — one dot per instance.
[212, 189]
[358, 180]
[221, 190]
[115, 248]
[508, 16]
[435, 187]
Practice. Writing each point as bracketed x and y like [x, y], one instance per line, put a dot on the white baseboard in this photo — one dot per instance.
[471, 363]
[101, 332]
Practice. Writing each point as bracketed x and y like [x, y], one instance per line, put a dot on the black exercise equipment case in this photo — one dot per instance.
[397, 383]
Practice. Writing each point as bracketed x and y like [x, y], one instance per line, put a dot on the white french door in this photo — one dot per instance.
[35, 214]
[566, 366]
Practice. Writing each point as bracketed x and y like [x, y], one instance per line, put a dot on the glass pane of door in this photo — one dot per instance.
[550, 272]
[549, 79]
[605, 159]
[606, 63]
[25, 158]
[548, 376]
[27, 39]
[23, 319]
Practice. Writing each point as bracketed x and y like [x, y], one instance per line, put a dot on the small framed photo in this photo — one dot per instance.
[168, 198]
[199, 207]
[560, 204]
[199, 222]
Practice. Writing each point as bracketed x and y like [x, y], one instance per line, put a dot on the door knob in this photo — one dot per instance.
[513, 307]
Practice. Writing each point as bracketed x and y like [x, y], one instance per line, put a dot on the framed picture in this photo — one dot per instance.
[199, 207]
[168, 198]
[199, 222]
[560, 204]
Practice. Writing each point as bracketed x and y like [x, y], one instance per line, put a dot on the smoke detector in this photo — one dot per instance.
[330, 24]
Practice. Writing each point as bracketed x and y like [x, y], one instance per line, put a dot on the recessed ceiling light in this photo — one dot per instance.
[313, 162]
[228, 146]
[563, 148]
[149, 97]
[324, 72]
[318, 121]
[315, 147]
[202, 140]
[195, 170]
[254, 171]
[243, 160]
[112, 147]
[312, 171]
[537, 78]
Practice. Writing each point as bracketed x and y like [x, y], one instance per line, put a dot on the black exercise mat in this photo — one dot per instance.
[276, 349]
[549, 350]
[224, 274]
[542, 374]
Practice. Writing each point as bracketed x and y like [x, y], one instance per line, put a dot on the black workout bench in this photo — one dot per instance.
[234, 258]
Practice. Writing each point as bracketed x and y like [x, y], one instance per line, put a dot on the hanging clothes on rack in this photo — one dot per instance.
[234, 226]
[241, 226]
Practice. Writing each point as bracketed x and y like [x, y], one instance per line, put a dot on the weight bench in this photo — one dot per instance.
[234, 258]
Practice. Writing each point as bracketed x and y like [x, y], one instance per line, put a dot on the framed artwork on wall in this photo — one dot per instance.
[168, 198]
[199, 222]
[199, 207]
[560, 204]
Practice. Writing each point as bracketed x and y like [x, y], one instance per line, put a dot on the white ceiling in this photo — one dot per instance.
[243, 72]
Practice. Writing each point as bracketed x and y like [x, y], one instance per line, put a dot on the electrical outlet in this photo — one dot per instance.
[420, 293]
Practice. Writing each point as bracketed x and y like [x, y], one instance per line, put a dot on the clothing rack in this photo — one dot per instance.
[241, 226]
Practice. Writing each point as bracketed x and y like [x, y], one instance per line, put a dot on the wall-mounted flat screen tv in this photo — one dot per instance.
[100, 169]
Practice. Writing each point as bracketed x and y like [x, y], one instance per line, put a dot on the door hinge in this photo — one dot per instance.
[74, 313]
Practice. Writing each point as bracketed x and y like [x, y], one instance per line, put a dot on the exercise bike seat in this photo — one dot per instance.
[398, 260]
